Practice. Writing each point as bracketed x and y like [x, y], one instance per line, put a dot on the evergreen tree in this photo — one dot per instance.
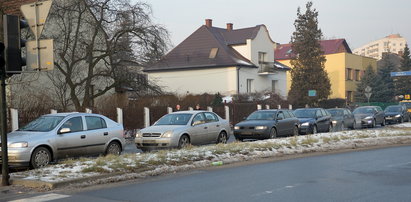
[384, 84]
[403, 83]
[368, 79]
[308, 66]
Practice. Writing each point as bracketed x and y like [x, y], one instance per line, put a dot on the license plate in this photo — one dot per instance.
[149, 141]
[388, 118]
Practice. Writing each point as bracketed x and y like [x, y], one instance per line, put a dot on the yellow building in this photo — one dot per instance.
[344, 68]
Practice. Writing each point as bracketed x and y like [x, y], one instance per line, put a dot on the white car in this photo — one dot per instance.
[179, 129]
[56, 136]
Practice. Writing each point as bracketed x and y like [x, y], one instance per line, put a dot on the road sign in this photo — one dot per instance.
[368, 89]
[406, 73]
[368, 95]
[407, 97]
[312, 93]
[46, 54]
[36, 14]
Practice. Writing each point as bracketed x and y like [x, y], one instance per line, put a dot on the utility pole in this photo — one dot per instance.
[3, 113]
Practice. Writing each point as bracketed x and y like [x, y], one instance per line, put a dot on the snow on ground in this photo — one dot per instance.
[130, 166]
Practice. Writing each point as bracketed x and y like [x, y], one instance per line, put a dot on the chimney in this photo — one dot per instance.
[229, 26]
[209, 22]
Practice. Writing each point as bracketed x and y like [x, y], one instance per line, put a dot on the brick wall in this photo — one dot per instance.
[12, 7]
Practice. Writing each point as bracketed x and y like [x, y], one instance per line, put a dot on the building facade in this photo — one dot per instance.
[221, 60]
[393, 43]
[343, 68]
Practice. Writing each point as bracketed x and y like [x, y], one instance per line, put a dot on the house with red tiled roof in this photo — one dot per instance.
[344, 68]
[224, 60]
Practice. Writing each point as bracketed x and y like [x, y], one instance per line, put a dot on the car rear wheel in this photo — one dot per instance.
[184, 141]
[383, 122]
[41, 157]
[353, 125]
[222, 138]
[113, 148]
[373, 123]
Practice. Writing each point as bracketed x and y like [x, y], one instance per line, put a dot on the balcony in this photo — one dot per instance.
[267, 68]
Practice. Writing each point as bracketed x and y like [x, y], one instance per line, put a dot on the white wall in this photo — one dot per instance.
[213, 80]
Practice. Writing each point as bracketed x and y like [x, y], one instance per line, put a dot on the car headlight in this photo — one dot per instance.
[261, 127]
[139, 134]
[18, 145]
[167, 134]
[368, 117]
[397, 116]
[236, 127]
[305, 124]
[334, 122]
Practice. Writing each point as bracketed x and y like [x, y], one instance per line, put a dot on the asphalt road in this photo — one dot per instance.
[373, 175]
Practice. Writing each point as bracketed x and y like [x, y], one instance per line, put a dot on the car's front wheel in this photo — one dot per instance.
[113, 148]
[184, 141]
[273, 133]
[222, 138]
[295, 131]
[41, 157]
[314, 130]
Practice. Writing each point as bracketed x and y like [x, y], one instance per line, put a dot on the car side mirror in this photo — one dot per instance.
[64, 130]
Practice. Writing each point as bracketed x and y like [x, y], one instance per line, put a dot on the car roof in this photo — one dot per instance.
[189, 112]
[71, 113]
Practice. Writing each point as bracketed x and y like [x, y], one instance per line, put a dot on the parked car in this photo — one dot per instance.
[56, 136]
[265, 124]
[313, 120]
[396, 114]
[369, 116]
[179, 129]
[342, 118]
[407, 104]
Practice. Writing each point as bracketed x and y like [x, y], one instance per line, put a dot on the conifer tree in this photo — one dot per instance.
[403, 83]
[368, 79]
[384, 84]
[308, 64]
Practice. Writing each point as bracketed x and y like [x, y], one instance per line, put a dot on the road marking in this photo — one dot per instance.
[41, 198]
[399, 165]
[276, 190]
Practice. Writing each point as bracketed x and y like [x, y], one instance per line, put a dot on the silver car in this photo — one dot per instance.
[56, 136]
[180, 129]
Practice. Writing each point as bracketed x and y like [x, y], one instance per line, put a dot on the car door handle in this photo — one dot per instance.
[205, 127]
[105, 133]
[83, 137]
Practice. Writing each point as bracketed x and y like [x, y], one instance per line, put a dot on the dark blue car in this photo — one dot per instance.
[313, 120]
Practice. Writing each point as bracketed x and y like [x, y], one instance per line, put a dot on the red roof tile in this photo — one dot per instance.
[283, 52]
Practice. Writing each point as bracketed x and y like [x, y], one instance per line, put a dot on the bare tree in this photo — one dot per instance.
[97, 42]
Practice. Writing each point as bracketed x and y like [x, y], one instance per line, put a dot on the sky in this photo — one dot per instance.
[358, 21]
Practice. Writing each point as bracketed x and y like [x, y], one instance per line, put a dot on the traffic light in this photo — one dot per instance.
[13, 44]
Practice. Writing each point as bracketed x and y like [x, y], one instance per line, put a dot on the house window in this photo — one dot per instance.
[348, 75]
[261, 57]
[213, 53]
[249, 85]
[357, 75]
[348, 95]
[273, 85]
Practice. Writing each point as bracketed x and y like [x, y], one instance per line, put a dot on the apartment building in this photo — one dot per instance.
[393, 43]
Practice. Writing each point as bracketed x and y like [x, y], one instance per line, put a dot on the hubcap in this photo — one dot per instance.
[223, 138]
[114, 149]
[41, 158]
[184, 141]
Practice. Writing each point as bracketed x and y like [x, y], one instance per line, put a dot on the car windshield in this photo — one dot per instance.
[393, 109]
[336, 112]
[43, 124]
[363, 110]
[262, 115]
[174, 119]
[305, 113]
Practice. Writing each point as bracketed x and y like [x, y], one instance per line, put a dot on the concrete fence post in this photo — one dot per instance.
[267, 106]
[53, 111]
[210, 109]
[119, 115]
[279, 107]
[290, 107]
[190, 109]
[89, 111]
[14, 113]
[146, 117]
[169, 110]
[258, 107]
[227, 113]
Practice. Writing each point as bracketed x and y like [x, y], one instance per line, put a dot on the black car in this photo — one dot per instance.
[313, 120]
[342, 118]
[369, 116]
[264, 124]
[396, 114]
